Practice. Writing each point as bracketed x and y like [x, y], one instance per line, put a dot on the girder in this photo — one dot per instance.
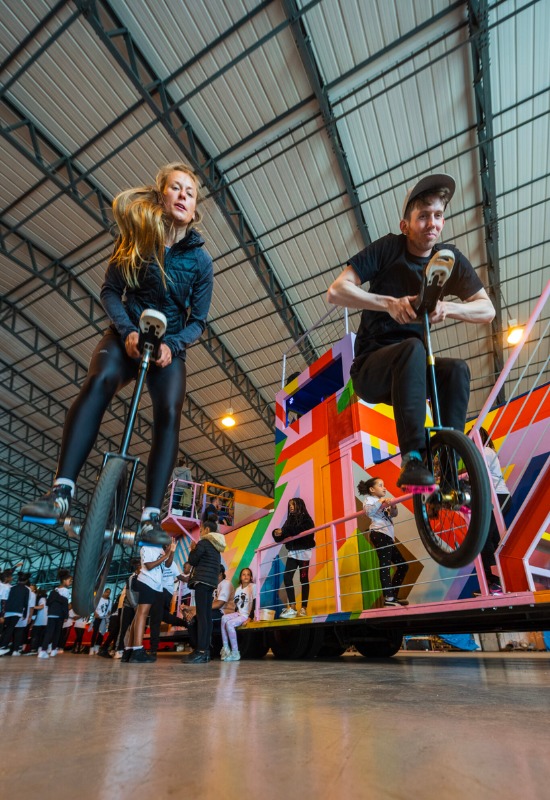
[478, 18]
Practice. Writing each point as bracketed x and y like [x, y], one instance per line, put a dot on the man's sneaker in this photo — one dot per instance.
[43, 654]
[234, 655]
[141, 657]
[289, 613]
[151, 532]
[415, 475]
[50, 509]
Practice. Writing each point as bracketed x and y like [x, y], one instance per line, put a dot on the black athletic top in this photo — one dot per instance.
[392, 271]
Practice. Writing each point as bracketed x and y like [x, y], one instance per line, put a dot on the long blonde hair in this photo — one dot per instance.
[143, 224]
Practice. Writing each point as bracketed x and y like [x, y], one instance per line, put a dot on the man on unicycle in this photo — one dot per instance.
[390, 356]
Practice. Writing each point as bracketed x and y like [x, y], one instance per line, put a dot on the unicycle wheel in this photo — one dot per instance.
[453, 522]
[98, 536]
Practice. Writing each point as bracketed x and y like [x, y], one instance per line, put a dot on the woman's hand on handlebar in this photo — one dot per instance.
[165, 356]
[131, 345]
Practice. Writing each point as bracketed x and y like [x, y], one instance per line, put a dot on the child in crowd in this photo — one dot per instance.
[205, 559]
[101, 614]
[299, 554]
[80, 625]
[245, 601]
[16, 609]
[58, 612]
[382, 536]
[149, 585]
[40, 622]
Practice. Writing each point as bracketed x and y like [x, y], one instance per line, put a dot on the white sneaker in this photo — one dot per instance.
[234, 655]
[302, 612]
[4, 651]
[53, 653]
[16, 653]
[224, 652]
[118, 654]
[289, 613]
[43, 654]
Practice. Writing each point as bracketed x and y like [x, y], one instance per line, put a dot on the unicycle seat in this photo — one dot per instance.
[436, 274]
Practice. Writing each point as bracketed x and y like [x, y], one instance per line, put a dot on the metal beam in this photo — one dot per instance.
[303, 43]
[478, 19]
[118, 41]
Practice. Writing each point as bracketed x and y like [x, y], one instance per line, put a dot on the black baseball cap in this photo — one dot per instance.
[429, 183]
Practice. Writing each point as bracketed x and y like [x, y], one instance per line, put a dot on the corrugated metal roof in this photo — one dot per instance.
[398, 80]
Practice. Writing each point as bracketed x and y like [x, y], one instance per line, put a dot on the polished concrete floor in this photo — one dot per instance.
[420, 725]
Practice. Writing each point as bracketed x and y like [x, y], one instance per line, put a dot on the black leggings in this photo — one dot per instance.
[292, 564]
[388, 554]
[128, 615]
[203, 603]
[110, 370]
[53, 633]
[396, 375]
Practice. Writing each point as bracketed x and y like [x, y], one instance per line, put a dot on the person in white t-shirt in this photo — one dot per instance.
[101, 614]
[162, 610]
[245, 600]
[149, 585]
[40, 622]
[503, 495]
[382, 536]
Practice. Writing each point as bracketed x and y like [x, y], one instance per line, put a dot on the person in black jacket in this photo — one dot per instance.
[205, 559]
[17, 606]
[158, 262]
[299, 554]
[58, 612]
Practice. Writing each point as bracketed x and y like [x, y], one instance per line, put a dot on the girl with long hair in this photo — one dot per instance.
[159, 262]
[245, 601]
[299, 554]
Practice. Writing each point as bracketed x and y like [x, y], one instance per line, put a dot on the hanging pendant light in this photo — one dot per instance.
[229, 420]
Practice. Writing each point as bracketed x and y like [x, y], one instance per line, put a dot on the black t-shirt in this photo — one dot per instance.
[392, 271]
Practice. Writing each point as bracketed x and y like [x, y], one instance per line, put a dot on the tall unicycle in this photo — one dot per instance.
[453, 516]
[103, 527]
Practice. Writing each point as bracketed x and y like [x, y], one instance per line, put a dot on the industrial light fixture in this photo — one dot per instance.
[515, 332]
[229, 420]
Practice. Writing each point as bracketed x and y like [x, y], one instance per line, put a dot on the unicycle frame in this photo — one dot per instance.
[102, 528]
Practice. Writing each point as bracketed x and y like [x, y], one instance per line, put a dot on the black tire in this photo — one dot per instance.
[332, 646]
[384, 647]
[290, 643]
[252, 644]
[98, 537]
[454, 522]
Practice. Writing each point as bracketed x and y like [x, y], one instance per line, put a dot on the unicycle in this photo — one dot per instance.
[102, 528]
[452, 517]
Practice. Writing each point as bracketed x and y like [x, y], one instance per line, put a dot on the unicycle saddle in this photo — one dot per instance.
[436, 274]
